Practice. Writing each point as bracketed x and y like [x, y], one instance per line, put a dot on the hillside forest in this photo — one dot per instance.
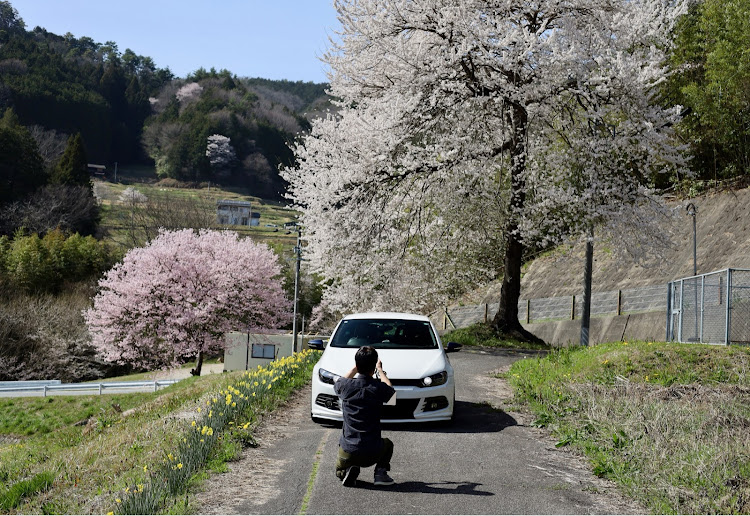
[68, 101]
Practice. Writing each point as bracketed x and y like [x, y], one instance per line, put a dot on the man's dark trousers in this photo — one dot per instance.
[381, 460]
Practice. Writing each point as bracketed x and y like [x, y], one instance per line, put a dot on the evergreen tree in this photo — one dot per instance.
[10, 22]
[72, 168]
[21, 166]
[712, 80]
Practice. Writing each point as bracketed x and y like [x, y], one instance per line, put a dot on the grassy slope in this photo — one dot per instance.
[92, 464]
[114, 213]
[668, 422]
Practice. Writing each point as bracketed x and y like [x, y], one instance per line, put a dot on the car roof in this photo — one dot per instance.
[388, 315]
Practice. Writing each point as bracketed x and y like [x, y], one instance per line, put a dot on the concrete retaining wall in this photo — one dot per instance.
[649, 326]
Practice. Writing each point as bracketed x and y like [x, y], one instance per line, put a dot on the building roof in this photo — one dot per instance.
[231, 202]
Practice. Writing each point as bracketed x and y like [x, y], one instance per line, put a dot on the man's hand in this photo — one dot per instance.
[381, 374]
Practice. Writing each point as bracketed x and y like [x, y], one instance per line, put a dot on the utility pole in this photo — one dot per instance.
[298, 252]
[587, 273]
[693, 211]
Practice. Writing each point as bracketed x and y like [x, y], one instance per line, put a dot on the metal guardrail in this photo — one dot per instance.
[29, 383]
[44, 388]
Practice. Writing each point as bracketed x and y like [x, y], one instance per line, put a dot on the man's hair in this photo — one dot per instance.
[366, 360]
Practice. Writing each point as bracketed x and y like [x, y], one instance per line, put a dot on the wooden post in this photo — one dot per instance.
[573, 309]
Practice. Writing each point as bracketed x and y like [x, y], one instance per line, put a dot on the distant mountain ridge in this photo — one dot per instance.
[62, 85]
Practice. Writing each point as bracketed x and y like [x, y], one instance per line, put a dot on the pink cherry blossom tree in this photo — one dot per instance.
[175, 298]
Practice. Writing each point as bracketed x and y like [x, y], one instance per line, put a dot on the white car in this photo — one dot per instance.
[413, 358]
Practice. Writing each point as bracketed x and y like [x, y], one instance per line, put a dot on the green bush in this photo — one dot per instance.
[38, 265]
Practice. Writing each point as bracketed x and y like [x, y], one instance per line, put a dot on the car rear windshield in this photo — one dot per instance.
[384, 334]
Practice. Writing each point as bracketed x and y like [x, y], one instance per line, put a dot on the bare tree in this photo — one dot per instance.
[142, 219]
[70, 208]
[51, 143]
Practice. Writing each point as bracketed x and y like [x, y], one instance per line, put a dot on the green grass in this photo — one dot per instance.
[668, 422]
[40, 416]
[481, 334]
[11, 497]
[93, 465]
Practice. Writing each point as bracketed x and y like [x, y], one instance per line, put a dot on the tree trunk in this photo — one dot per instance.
[506, 320]
[198, 365]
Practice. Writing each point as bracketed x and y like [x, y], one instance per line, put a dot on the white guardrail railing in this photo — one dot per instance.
[45, 387]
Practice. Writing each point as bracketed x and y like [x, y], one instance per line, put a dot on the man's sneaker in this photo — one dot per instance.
[350, 477]
[382, 478]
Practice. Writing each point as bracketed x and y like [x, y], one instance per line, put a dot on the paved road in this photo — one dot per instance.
[486, 463]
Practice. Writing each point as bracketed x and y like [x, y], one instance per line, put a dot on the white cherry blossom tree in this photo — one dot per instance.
[467, 129]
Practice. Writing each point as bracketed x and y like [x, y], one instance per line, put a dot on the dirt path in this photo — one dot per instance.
[254, 477]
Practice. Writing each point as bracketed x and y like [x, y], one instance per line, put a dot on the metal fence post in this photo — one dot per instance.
[528, 311]
[703, 305]
[486, 310]
[682, 309]
[669, 312]
[619, 302]
[100, 389]
[573, 308]
[728, 318]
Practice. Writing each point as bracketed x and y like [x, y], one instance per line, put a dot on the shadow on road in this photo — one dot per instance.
[448, 488]
[468, 418]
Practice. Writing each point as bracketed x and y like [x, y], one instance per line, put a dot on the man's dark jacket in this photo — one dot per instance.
[362, 400]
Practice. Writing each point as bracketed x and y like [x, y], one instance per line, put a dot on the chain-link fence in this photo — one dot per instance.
[616, 302]
[712, 308]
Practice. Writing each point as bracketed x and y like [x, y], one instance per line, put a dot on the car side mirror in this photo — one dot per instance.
[453, 346]
[315, 344]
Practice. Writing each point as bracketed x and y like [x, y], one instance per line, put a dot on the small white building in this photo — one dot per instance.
[247, 351]
[234, 213]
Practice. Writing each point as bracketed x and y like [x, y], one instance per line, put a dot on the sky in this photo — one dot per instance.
[272, 39]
